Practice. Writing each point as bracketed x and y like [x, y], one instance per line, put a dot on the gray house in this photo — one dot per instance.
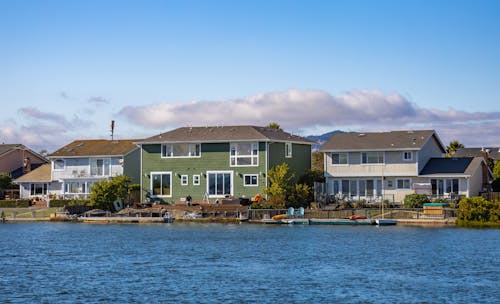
[389, 165]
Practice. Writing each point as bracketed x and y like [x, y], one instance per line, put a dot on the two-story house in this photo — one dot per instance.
[216, 162]
[76, 166]
[390, 165]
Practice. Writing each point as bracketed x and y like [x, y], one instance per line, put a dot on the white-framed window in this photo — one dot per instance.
[442, 186]
[180, 150]
[219, 183]
[288, 150]
[59, 164]
[100, 166]
[340, 158]
[251, 180]
[75, 187]
[376, 157]
[161, 184]
[184, 180]
[196, 179]
[244, 154]
[403, 184]
[407, 155]
[38, 189]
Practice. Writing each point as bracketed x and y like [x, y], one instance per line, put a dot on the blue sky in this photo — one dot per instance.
[68, 67]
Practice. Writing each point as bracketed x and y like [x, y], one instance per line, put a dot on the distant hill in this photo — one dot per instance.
[321, 139]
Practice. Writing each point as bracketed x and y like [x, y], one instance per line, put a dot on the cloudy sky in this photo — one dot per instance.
[67, 68]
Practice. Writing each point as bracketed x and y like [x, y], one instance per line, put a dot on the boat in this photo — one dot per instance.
[386, 222]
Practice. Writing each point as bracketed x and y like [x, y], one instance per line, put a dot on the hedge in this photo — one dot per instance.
[15, 204]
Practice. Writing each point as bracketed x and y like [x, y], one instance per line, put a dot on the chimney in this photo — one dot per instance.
[484, 153]
[27, 165]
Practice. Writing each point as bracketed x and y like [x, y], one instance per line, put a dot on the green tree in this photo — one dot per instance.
[300, 196]
[280, 181]
[453, 147]
[104, 193]
[274, 125]
[496, 170]
[5, 181]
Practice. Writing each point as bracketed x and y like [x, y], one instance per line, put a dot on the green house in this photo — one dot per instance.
[208, 163]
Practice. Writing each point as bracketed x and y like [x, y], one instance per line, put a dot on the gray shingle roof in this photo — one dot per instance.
[473, 152]
[392, 140]
[452, 165]
[225, 134]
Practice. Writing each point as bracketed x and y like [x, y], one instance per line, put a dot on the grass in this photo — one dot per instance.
[27, 212]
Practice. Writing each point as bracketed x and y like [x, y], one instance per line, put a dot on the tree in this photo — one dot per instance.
[274, 125]
[478, 209]
[496, 170]
[317, 161]
[5, 181]
[280, 181]
[453, 147]
[104, 193]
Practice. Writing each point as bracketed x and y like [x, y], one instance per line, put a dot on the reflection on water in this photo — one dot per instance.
[203, 263]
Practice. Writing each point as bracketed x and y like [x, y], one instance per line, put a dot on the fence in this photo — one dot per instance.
[391, 213]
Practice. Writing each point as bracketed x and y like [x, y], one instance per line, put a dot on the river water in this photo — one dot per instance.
[245, 263]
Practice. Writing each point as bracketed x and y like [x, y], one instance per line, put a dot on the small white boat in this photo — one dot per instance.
[386, 222]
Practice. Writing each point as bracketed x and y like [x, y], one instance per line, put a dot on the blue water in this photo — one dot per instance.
[230, 263]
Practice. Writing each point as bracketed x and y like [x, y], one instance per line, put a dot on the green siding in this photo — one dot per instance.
[300, 161]
[214, 157]
[131, 166]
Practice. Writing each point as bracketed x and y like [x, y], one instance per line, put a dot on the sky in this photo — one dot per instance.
[67, 68]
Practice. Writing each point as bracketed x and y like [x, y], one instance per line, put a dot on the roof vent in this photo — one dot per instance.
[80, 144]
[361, 134]
[410, 132]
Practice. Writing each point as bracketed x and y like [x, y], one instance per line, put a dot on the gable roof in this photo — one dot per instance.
[96, 147]
[225, 134]
[40, 174]
[473, 152]
[7, 148]
[452, 165]
[393, 140]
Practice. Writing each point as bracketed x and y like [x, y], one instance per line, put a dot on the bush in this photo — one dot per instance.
[478, 209]
[15, 204]
[61, 203]
[415, 200]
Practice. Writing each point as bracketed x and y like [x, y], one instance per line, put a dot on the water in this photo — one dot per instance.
[230, 263]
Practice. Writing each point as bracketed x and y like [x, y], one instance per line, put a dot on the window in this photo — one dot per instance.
[99, 167]
[59, 164]
[372, 157]
[75, 187]
[389, 183]
[403, 184]
[184, 180]
[196, 180]
[244, 154]
[442, 186]
[288, 150]
[251, 179]
[219, 184]
[161, 184]
[180, 150]
[339, 158]
[38, 189]
[407, 155]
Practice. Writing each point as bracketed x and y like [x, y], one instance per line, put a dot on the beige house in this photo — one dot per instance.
[389, 165]
[17, 159]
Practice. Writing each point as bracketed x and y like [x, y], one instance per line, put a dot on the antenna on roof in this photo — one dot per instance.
[112, 129]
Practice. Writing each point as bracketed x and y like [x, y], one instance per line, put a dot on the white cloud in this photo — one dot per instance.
[307, 110]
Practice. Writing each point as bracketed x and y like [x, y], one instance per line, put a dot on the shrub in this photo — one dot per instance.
[15, 204]
[478, 209]
[415, 200]
[62, 202]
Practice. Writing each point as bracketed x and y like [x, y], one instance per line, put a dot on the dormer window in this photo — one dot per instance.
[407, 155]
